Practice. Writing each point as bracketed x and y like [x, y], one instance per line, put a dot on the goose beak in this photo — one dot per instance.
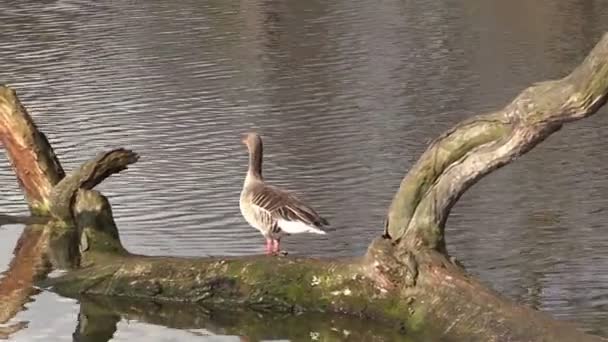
[244, 137]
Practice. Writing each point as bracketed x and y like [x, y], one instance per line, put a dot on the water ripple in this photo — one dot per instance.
[347, 94]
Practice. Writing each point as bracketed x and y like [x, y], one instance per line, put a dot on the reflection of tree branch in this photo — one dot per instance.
[94, 325]
[100, 312]
[28, 264]
[6, 332]
[32, 262]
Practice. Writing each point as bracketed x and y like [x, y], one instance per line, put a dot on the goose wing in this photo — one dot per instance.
[292, 215]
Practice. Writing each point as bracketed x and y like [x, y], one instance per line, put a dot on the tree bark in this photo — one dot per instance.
[406, 279]
[472, 149]
[87, 177]
[33, 160]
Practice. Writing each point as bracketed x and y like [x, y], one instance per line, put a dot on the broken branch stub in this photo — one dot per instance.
[87, 177]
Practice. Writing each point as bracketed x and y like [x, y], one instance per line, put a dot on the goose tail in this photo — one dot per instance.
[298, 227]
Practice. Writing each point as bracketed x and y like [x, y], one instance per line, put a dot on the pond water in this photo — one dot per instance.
[347, 94]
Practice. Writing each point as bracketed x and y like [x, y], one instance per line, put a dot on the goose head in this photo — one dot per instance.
[252, 140]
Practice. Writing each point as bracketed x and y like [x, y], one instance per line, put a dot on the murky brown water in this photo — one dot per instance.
[347, 94]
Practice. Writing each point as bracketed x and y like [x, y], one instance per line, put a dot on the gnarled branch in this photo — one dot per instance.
[472, 149]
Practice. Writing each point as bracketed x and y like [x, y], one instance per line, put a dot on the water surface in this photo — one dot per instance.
[346, 94]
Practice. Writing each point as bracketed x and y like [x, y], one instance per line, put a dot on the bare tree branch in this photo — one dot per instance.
[33, 160]
[472, 149]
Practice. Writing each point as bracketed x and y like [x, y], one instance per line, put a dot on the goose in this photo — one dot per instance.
[273, 211]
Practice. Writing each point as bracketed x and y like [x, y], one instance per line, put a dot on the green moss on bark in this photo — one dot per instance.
[445, 151]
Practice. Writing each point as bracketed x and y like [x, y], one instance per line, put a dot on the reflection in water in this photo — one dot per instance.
[7, 331]
[39, 248]
[28, 265]
[347, 94]
[98, 320]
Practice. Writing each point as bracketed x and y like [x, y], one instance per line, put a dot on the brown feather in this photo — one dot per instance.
[284, 205]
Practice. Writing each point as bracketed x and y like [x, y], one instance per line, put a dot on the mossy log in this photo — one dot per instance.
[406, 279]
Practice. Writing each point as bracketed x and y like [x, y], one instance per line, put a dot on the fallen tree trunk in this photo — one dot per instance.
[406, 279]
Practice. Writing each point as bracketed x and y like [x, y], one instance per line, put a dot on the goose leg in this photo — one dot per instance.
[276, 246]
[268, 248]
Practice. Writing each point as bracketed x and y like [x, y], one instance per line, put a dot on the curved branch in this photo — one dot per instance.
[472, 149]
[87, 177]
